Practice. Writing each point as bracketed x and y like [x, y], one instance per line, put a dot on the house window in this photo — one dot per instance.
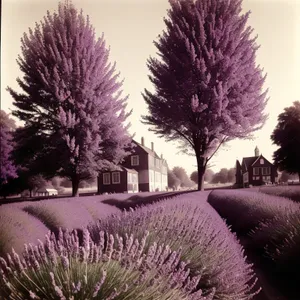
[135, 160]
[130, 178]
[116, 177]
[255, 171]
[253, 178]
[106, 178]
[261, 161]
[134, 178]
[266, 171]
[257, 178]
[246, 178]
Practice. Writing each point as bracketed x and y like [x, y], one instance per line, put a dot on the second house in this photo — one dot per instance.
[142, 171]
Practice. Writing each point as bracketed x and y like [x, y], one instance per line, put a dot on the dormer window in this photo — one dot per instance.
[261, 161]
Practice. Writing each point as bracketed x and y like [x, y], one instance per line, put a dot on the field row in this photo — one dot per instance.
[270, 227]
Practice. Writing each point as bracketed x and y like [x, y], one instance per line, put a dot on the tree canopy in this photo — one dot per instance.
[208, 175]
[7, 166]
[286, 136]
[72, 104]
[207, 86]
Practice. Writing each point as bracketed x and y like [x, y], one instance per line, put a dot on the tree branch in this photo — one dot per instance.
[223, 140]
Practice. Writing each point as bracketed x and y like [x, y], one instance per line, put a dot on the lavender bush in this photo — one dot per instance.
[115, 268]
[244, 211]
[195, 228]
[18, 227]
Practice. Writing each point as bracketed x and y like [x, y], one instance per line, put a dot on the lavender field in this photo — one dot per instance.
[180, 245]
[176, 248]
[196, 80]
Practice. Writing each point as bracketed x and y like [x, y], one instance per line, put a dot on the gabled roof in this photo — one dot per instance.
[149, 151]
[250, 161]
[261, 156]
[247, 162]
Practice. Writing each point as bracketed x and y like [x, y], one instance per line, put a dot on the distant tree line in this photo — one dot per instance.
[178, 178]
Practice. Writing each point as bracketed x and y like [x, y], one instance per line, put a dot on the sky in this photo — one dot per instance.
[131, 26]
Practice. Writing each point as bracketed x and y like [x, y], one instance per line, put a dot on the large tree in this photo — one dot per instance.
[7, 167]
[286, 135]
[72, 103]
[208, 88]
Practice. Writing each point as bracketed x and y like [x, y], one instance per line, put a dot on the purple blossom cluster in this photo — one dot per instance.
[113, 268]
[190, 225]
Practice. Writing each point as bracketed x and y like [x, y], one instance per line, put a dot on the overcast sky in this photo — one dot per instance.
[130, 26]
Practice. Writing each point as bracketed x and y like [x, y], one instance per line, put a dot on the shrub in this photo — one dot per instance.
[115, 268]
[244, 211]
[201, 235]
[17, 228]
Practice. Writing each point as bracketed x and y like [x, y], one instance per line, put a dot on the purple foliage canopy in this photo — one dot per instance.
[72, 102]
[208, 89]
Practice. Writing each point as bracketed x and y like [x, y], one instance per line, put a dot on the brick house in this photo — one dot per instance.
[255, 170]
[142, 171]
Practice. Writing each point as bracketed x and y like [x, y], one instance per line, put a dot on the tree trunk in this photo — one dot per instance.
[75, 186]
[201, 170]
[30, 193]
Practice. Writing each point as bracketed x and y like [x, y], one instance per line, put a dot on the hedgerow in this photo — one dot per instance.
[115, 268]
[194, 228]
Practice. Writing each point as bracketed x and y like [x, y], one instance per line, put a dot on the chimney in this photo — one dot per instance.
[152, 146]
[142, 141]
[162, 157]
[256, 151]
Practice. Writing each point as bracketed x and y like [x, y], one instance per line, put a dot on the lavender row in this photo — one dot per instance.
[271, 223]
[29, 221]
[194, 228]
[292, 192]
[244, 211]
